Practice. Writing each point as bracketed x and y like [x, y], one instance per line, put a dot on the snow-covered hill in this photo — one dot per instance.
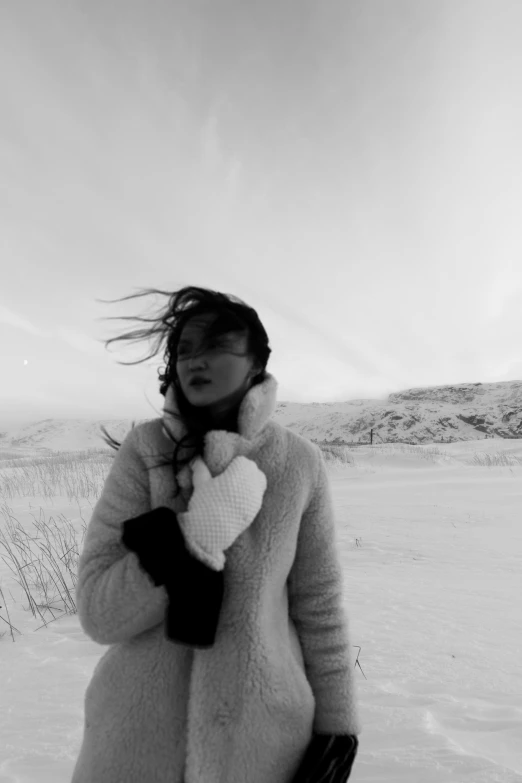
[425, 415]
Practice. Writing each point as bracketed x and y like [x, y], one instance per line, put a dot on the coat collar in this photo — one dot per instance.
[221, 447]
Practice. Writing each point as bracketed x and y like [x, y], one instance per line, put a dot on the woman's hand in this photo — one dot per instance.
[328, 759]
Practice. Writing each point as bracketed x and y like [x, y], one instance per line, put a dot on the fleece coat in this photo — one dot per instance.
[243, 710]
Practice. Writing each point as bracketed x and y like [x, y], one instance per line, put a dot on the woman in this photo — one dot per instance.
[210, 568]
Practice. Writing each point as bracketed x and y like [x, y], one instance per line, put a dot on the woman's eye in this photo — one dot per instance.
[211, 345]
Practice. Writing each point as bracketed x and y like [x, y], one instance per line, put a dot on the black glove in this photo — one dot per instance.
[328, 759]
[195, 591]
[155, 538]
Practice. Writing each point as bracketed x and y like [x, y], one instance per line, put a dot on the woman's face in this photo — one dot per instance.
[221, 360]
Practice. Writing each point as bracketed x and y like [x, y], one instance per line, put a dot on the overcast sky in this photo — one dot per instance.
[350, 169]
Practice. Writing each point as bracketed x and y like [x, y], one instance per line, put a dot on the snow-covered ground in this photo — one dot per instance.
[432, 553]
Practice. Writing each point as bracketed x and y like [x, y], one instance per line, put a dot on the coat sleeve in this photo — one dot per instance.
[114, 596]
[316, 608]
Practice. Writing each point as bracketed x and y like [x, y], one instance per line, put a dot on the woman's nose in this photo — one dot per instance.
[195, 362]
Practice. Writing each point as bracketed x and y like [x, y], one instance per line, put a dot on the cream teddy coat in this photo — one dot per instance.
[242, 711]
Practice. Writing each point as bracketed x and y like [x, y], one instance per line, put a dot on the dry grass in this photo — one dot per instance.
[344, 455]
[44, 559]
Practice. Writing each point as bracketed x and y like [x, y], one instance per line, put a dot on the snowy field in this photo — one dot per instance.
[431, 542]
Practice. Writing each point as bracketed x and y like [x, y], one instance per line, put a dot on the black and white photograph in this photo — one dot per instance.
[260, 391]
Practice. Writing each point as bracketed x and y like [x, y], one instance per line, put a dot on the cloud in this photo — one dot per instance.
[352, 349]
[80, 342]
[11, 318]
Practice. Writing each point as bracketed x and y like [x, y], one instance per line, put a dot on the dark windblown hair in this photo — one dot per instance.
[232, 314]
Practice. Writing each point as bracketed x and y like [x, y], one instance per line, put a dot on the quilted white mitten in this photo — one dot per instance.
[221, 508]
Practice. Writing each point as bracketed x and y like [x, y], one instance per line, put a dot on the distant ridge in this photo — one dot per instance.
[433, 414]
